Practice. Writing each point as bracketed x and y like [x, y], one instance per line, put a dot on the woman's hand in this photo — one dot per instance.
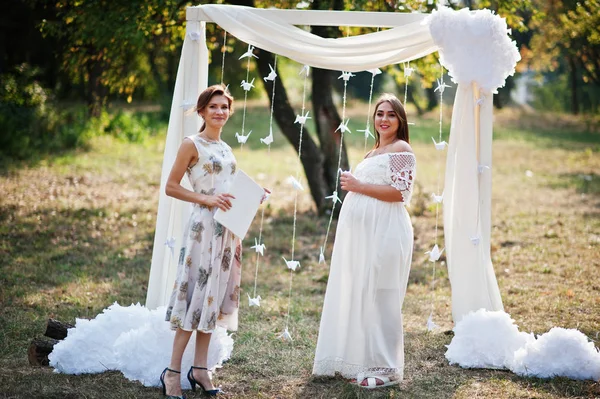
[349, 183]
[221, 201]
[266, 195]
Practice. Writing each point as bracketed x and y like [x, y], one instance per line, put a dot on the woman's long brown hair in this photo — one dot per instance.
[402, 132]
[208, 93]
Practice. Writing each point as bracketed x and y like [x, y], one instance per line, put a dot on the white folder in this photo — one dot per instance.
[244, 206]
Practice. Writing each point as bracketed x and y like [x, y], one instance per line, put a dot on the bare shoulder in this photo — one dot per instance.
[188, 146]
[401, 146]
[188, 152]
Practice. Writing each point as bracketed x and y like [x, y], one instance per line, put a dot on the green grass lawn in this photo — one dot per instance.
[76, 234]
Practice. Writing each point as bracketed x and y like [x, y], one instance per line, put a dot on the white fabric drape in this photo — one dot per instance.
[467, 204]
[172, 215]
[356, 53]
[483, 43]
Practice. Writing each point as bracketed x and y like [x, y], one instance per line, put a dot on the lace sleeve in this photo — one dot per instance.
[402, 169]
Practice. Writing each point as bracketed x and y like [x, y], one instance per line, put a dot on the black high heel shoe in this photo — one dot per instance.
[164, 387]
[193, 382]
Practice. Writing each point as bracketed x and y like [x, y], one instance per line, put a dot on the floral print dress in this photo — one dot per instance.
[207, 287]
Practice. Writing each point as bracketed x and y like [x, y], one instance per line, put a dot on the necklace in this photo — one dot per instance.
[207, 139]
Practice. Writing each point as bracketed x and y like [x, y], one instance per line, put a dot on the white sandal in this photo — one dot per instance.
[372, 382]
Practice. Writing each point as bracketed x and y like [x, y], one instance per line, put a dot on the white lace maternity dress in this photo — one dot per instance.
[361, 324]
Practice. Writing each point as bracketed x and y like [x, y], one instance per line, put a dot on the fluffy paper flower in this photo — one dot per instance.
[485, 339]
[474, 46]
[559, 352]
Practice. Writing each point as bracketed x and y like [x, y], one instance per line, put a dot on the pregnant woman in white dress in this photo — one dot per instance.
[361, 332]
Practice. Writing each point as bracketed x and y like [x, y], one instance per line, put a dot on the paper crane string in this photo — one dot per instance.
[408, 70]
[342, 128]
[268, 140]
[367, 131]
[293, 264]
[259, 246]
[247, 85]
[223, 50]
[440, 145]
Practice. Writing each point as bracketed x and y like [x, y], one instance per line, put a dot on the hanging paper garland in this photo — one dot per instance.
[435, 252]
[247, 85]
[223, 50]
[343, 128]
[259, 247]
[294, 264]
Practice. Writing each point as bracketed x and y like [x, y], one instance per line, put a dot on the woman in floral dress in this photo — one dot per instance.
[207, 287]
[361, 334]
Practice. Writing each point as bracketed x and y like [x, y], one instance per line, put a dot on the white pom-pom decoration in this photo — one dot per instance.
[474, 46]
[559, 352]
[485, 339]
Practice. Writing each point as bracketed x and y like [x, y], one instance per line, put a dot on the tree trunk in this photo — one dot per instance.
[573, 86]
[96, 93]
[327, 120]
[311, 158]
[433, 98]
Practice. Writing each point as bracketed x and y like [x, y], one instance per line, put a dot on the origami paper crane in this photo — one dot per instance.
[482, 168]
[475, 239]
[269, 139]
[321, 256]
[437, 199]
[187, 104]
[334, 197]
[285, 335]
[430, 324]
[441, 86]
[248, 53]
[292, 264]
[254, 301]
[301, 119]
[195, 36]
[259, 248]
[435, 253]
[171, 244]
[241, 138]
[346, 76]
[305, 70]
[408, 70]
[480, 100]
[439, 146]
[272, 75]
[247, 86]
[343, 127]
[295, 183]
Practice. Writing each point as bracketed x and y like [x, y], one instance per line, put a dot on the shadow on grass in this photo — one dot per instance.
[428, 374]
[583, 183]
[66, 264]
[9, 165]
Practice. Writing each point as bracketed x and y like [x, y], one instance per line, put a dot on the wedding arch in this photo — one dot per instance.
[473, 46]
